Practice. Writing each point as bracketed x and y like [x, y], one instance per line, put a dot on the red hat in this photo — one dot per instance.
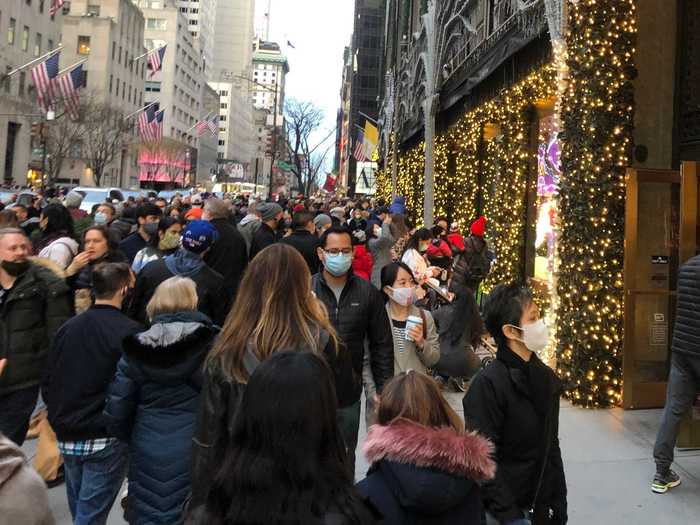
[298, 208]
[194, 214]
[479, 227]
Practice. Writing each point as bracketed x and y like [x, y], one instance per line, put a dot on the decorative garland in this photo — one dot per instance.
[597, 116]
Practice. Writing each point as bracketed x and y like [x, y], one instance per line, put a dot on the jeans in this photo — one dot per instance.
[93, 482]
[683, 383]
[15, 411]
[349, 423]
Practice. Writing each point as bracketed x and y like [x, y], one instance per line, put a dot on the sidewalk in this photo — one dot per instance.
[608, 464]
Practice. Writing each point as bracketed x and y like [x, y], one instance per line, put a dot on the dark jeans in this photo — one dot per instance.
[683, 383]
[349, 423]
[93, 482]
[15, 411]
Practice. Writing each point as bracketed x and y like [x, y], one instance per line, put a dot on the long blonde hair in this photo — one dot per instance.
[274, 310]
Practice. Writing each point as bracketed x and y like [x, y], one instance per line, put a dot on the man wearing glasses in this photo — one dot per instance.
[356, 309]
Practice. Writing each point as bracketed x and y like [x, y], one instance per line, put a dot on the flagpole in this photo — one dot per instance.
[148, 53]
[140, 110]
[368, 118]
[200, 120]
[31, 62]
[71, 67]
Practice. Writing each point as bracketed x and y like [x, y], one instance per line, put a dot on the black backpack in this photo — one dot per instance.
[478, 262]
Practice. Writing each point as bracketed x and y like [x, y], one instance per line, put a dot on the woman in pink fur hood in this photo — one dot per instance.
[424, 468]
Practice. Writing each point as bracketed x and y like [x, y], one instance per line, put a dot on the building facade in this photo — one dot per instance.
[270, 68]
[207, 151]
[201, 23]
[27, 31]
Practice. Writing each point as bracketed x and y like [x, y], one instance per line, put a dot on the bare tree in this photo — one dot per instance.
[303, 120]
[64, 140]
[106, 133]
[168, 158]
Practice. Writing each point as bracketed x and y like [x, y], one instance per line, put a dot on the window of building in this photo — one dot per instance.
[41, 7]
[129, 98]
[119, 56]
[37, 44]
[85, 79]
[25, 38]
[152, 87]
[49, 44]
[194, 22]
[83, 45]
[223, 93]
[22, 81]
[157, 23]
[222, 118]
[11, 31]
[114, 50]
[183, 9]
[111, 80]
[93, 10]
[224, 105]
[222, 142]
[220, 155]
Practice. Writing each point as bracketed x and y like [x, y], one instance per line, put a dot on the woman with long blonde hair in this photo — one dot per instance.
[275, 310]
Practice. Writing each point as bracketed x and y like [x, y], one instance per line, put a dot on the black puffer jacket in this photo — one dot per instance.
[360, 313]
[686, 334]
[516, 405]
[33, 311]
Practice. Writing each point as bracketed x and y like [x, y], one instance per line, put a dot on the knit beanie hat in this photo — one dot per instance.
[73, 199]
[479, 227]
[322, 220]
[199, 236]
[268, 210]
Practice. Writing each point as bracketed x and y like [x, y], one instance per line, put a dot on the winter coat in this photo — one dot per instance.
[210, 290]
[120, 229]
[417, 263]
[457, 358]
[264, 237]
[75, 399]
[462, 274]
[152, 404]
[456, 241]
[228, 256]
[359, 314]
[380, 248]
[686, 334]
[221, 396]
[398, 207]
[357, 224]
[247, 228]
[439, 249]
[362, 262]
[61, 251]
[516, 405]
[145, 256]
[132, 245]
[426, 476]
[23, 496]
[33, 310]
[81, 282]
[306, 244]
[412, 358]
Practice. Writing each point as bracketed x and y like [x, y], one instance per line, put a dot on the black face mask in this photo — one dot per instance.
[15, 268]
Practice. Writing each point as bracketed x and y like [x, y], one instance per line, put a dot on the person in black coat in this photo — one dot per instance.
[197, 238]
[75, 399]
[271, 214]
[425, 470]
[153, 400]
[304, 240]
[514, 401]
[228, 255]
[147, 216]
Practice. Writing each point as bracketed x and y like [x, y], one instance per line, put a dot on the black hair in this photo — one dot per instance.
[391, 271]
[465, 320]
[285, 461]
[148, 208]
[112, 243]
[442, 218]
[334, 230]
[301, 219]
[166, 222]
[109, 278]
[422, 234]
[438, 231]
[505, 305]
[59, 220]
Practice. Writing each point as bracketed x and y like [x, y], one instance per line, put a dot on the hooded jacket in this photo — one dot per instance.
[426, 476]
[398, 207]
[23, 496]
[247, 228]
[152, 403]
[380, 248]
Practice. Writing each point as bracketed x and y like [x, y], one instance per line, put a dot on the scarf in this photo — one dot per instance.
[184, 263]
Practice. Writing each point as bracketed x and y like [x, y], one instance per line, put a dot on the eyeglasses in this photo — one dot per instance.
[336, 251]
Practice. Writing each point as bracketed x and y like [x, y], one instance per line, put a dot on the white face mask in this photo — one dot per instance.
[535, 336]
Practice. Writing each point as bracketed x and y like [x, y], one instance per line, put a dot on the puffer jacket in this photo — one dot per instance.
[426, 476]
[152, 403]
[33, 311]
[360, 313]
[686, 334]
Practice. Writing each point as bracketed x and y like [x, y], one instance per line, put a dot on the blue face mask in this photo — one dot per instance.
[338, 265]
[100, 218]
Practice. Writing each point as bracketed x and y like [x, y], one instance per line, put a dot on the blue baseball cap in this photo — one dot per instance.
[198, 236]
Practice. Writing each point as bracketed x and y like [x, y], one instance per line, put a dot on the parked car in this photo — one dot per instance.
[6, 197]
[94, 196]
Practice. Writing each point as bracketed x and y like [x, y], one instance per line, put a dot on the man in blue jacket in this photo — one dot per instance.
[81, 366]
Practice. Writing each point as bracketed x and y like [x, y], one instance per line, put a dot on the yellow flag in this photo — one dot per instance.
[371, 133]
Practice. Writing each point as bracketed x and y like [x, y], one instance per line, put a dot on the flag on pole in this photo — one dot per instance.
[371, 139]
[68, 85]
[146, 118]
[158, 126]
[359, 153]
[211, 125]
[329, 185]
[55, 6]
[155, 60]
[43, 76]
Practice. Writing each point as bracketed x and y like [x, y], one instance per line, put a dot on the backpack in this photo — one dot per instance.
[478, 262]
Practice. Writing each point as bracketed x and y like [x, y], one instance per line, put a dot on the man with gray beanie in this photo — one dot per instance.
[322, 222]
[73, 201]
[271, 214]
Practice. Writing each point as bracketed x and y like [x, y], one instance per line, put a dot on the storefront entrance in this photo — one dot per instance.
[660, 234]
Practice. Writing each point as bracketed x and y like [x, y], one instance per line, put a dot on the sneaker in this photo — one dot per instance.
[663, 482]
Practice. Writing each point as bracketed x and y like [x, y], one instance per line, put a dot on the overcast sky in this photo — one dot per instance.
[319, 31]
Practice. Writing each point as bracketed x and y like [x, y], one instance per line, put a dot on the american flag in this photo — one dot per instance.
[43, 76]
[359, 153]
[146, 118]
[157, 125]
[68, 86]
[55, 6]
[211, 125]
[155, 60]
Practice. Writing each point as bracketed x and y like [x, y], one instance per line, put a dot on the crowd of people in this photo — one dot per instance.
[214, 350]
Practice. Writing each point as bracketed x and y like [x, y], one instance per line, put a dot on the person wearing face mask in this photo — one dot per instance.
[356, 310]
[414, 256]
[357, 221]
[162, 245]
[147, 216]
[104, 215]
[515, 402]
[94, 460]
[34, 303]
[271, 214]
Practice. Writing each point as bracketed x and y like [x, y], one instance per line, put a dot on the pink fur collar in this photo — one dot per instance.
[407, 442]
